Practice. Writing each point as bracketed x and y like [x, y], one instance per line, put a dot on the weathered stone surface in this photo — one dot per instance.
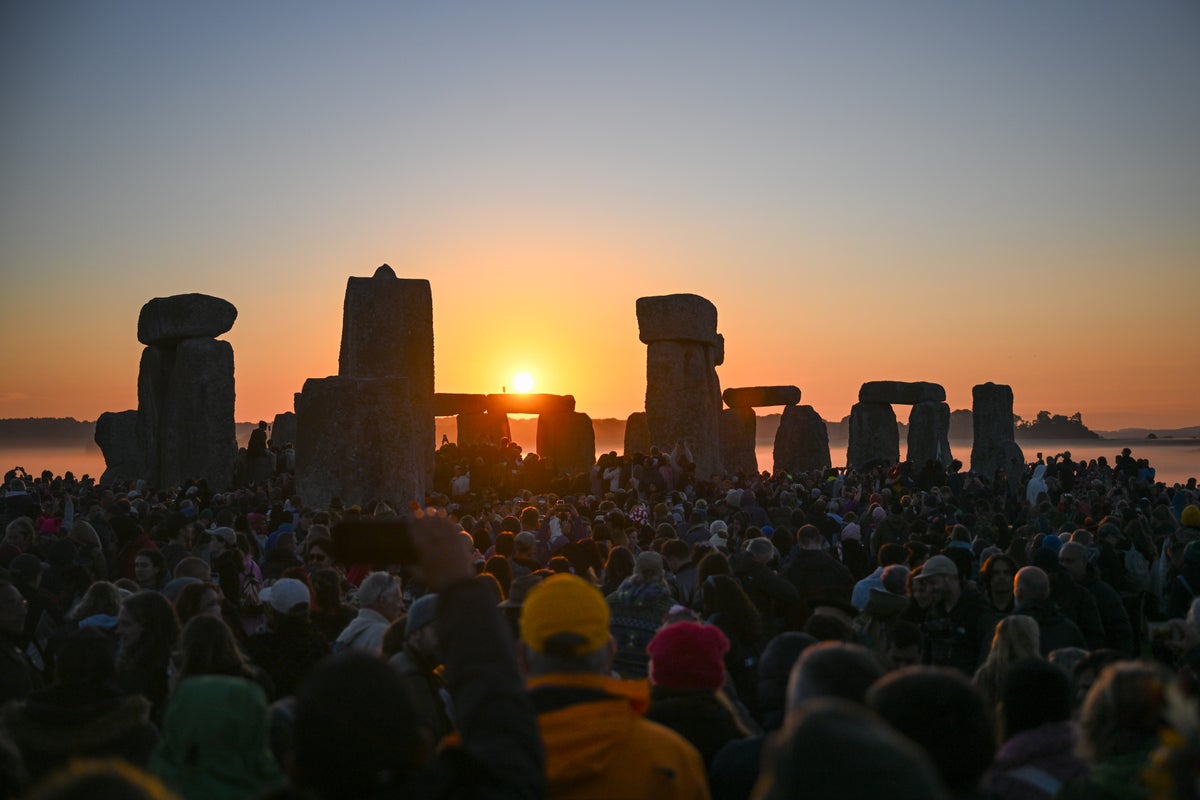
[446, 404]
[154, 374]
[801, 442]
[116, 433]
[387, 332]
[992, 415]
[759, 396]
[168, 320]
[678, 318]
[901, 393]
[683, 401]
[483, 428]
[283, 429]
[197, 436]
[357, 441]
[637, 434]
[873, 435]
[568, 438]
[737, 441]
[1014, 466]
[929, 434]
[530, 403]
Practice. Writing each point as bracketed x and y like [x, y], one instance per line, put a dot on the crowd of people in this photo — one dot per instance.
[631, 630]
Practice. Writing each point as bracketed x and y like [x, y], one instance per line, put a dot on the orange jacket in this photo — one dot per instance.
[602, 749]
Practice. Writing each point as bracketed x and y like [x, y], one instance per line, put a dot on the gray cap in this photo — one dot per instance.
[422, 612]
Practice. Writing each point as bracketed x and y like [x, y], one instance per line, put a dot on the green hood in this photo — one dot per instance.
[214, 741]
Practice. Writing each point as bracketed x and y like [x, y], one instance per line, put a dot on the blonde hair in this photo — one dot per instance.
[83, 532]
[1017, 637]
[1124, 710]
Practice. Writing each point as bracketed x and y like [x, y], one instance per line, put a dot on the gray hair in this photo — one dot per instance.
[374, 587]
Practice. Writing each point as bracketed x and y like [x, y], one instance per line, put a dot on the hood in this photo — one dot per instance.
[215, 740]
[882, 604]
[58, 720]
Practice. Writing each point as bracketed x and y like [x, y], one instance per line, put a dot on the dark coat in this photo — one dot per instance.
[63, 722]
[1056, 630]
[286, 656]
[1078, 605]
[961, 637]
[773, 595]
[817, 577]
[699, 716]
[1117, 628]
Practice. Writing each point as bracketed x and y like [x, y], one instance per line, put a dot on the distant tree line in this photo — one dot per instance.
[1055, 426]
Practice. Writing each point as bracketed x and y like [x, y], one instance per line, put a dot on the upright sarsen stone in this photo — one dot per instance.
[356, 441]
[802, 441]
[116, 433]
[929, 434]
[637, 434]
[874, 436]
[197, 437]
[738, 441]
[994, 440]
[568, 438]
[154, 375]
[387, 332]
[683, 393]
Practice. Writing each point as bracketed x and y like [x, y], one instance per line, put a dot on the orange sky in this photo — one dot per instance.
[876, 192]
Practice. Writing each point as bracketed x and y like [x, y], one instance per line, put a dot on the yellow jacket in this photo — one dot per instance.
[598, 746]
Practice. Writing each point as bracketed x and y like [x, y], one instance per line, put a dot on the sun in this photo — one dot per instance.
[523, 382]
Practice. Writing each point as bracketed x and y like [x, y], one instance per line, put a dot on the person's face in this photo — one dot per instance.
[317, 558]
[129, 630]
[218, 546]
[1074, 563]
[210, 604]
[13, 607]
[143, 571]
[901, 657]
[1001, 578]
[922, 592]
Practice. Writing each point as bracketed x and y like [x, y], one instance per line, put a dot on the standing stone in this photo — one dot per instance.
[801, 442]
[116, 433]
[568, 438]
[637, 434]
[387, 332]
[759, 396]
[154, 375]
[357, 441]
[283, 429]
[873, 435]
[738, 441]
[929, 434]
[992, 416]
[166, 321]
[197, 436]
[683, 393]
[482, 428]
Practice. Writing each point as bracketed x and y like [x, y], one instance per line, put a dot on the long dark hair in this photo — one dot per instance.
[723, 595]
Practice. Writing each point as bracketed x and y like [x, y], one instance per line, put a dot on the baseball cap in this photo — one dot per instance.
[285, 595]
[938, 565]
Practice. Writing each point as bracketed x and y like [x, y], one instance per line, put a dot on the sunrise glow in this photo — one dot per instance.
[522, 383]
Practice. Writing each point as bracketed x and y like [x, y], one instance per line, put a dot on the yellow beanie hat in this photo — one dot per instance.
[565, 603]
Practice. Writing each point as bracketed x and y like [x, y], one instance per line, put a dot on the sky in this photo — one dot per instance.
[940, 191]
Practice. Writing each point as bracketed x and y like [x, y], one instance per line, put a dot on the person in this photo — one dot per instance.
[890, 553]
[214, 740]
[1031, 588]
[287, 648]
[816, 575]
[1120, 725]
[1038, 753]
[196, 600]
[418, 664]
[726, 606]
[836, 750]
[774, 596]
[329, 614]
[996, 582]
[380, 603]
[687, 674]
[1017, 638]
[355, 735]
[150, 570]
[943, 714]
[1118, 630]
[958, 627]
[147, 631]
[637, 609]
[83, 713]
[208, 647]
[597, 742]
[17, 675]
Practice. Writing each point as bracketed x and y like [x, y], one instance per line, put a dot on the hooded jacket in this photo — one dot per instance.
[599, 746]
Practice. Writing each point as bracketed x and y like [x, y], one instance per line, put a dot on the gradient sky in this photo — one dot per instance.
[944, 191]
